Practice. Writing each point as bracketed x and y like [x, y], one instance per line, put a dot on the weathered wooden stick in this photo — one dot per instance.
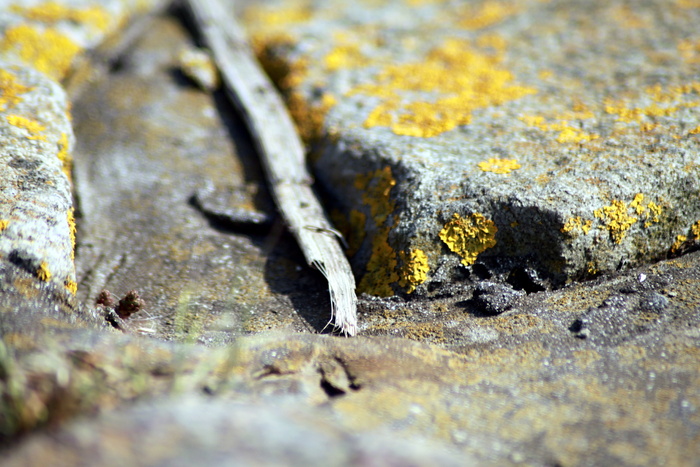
[282, 154]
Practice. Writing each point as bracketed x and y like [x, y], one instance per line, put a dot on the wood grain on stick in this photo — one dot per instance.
[282, 154]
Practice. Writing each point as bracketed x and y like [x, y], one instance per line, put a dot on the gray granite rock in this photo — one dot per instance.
[556, 135]
[37, 228]
[593, 373]
[197, 431]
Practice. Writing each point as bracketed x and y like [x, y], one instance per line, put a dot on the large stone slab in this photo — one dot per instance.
[556, 138]
[595, 373]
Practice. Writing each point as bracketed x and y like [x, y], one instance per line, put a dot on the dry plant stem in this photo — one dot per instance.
[282, 154]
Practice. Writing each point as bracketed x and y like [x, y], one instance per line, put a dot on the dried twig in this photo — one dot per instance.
[282, 154]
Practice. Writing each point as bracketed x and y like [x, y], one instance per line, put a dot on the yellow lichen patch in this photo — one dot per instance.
[415, 269]
[567, 132]
[626, 17]
[31, 126]
[688, 3]
[695, 229]
[689, 50]
[695, 131]
[20, 341]
[680, 240]
[260, 17]
[499, 166]
[376, 187]
[71, 230]
[53, 12]
[48, 51]
[637, 205]
[591, 268]
[43, 272]
[575, 224]
[10, 90]
[487, 14]
[652, 214]
[309, 118]
[667, 101]
[72, 287]
[458, 79]
[345, 56]
[64, 155]
[616, 219]
[358, 221]
[381, 268]
[3, 224]
[468, 237]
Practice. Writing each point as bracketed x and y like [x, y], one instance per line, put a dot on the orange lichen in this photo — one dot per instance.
[309, 117]
[459, 80]
[10, 90]
[64, 155]
[567, 132]
[376, 187]
[618, 220]
[3, 224]
[680, 240]
[71, 286]
[689, 50]
[487, 14]
[381, 268]
[48, 51]
[345, 55]
[53, 12]
[626, 17]
[415, 269]
[43, 272]
[695, 229]
[71, 230]
[574, 224]
[468, 237]
[31, 126]
[358, 221]
[499, 166]
[267, 17]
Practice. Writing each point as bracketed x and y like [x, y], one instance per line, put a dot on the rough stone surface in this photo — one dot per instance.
[50, 35]
[603, 372]
[37, 227]
[173, 205]
[564, 135]
[191, 431]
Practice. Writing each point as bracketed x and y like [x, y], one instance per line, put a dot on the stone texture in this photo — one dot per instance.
[173, 205]
[50, 35]
[593, 373]
[37, 228]
[553, 135]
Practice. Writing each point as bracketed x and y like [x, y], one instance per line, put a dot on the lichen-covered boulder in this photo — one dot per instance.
[555, 136]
